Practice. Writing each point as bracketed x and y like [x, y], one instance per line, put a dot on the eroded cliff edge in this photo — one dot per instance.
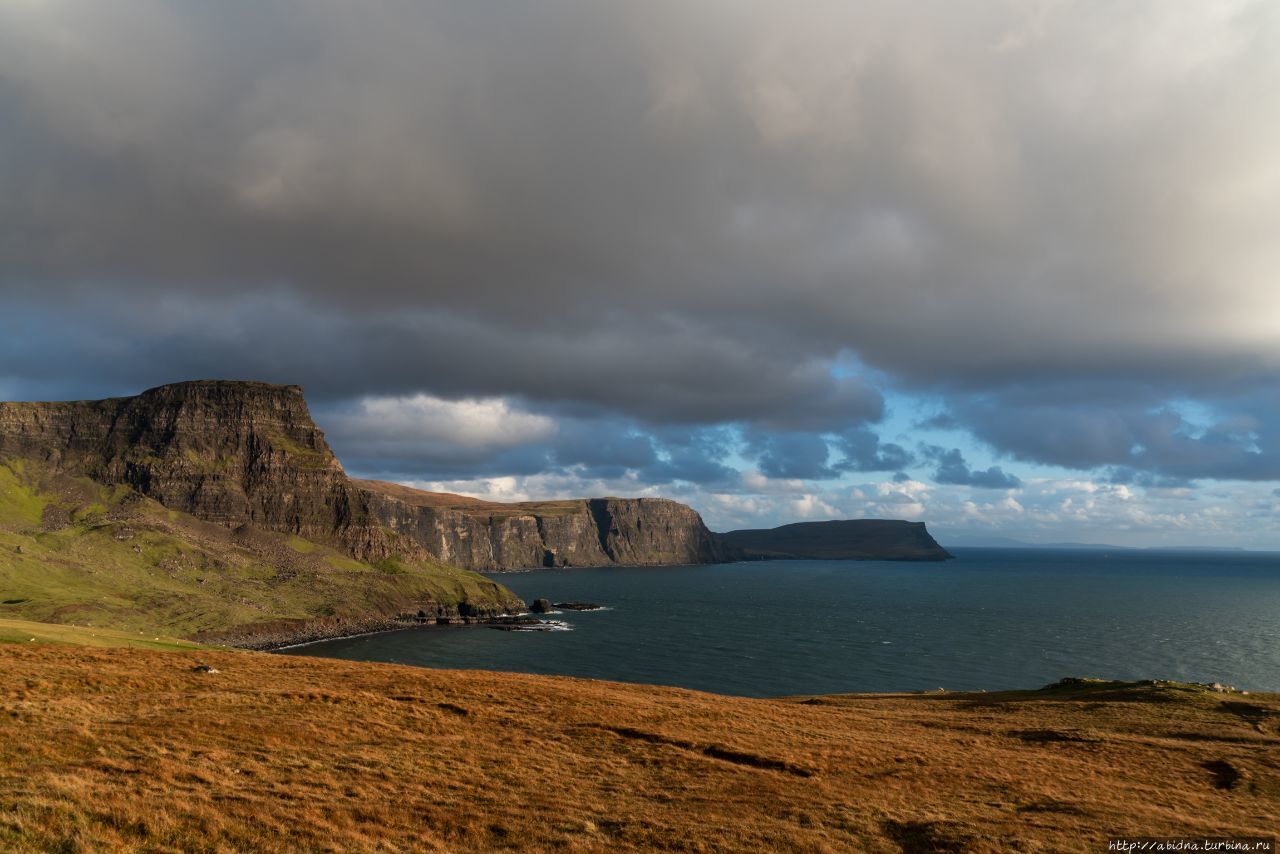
[580, 532]
[234, 453]
[248, 453]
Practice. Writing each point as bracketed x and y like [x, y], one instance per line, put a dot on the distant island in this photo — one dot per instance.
[849, 539]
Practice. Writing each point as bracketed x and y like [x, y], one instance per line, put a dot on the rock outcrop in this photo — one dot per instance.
[234, 453]
[849, 539]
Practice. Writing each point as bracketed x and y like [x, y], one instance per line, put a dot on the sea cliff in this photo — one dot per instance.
[580, 532]
[249, 454]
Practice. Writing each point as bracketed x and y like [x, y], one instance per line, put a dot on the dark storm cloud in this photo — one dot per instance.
[663, 213]
[573, 166]
[953, 469]
[674, 374]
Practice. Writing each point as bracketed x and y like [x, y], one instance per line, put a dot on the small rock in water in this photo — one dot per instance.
[578, 606]
[540, 606]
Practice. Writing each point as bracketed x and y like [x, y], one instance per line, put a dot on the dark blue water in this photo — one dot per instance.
[991, 619]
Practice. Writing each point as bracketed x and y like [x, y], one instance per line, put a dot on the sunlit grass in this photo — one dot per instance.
[131, 749]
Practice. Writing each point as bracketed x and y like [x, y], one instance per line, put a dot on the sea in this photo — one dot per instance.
[991, 619]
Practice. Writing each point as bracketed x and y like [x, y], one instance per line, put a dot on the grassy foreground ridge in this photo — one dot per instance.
[134, 749]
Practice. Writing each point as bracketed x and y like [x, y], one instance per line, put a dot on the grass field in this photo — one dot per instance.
[132, 749]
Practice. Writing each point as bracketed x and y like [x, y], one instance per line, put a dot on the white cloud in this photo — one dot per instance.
[470, 423]
[812, 507]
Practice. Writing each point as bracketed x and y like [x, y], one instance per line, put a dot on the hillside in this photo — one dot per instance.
[849, 539]
[132, 749]
[75, 551]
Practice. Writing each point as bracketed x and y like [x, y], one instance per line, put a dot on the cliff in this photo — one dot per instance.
[233, 453]
[248, 453]
[208, 508]
[850, 539]
[582, 532]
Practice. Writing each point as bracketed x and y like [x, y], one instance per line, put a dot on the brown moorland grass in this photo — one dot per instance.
[132, 749]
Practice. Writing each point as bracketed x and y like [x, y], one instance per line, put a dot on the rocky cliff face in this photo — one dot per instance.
[234, 453]
[244, 453]
[589, 532]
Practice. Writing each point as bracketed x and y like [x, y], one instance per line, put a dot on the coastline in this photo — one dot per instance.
[276, 635]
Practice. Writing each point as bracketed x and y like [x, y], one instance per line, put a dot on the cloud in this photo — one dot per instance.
[952, 469]
[696, 201]
[425, 438]
[1134, 430]
[675, 243]
[791, 455]
[863, 451]
[423, 419]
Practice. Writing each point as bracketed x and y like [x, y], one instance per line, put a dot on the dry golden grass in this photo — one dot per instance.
[130, 749]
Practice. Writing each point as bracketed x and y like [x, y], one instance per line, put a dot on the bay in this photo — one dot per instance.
[991, 619]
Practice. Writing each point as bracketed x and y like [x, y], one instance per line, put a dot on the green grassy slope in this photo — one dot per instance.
[75, 552]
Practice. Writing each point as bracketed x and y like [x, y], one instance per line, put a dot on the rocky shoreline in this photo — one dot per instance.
[281, 634]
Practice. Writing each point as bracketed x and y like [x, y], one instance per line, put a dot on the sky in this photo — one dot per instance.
[1008, 268]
